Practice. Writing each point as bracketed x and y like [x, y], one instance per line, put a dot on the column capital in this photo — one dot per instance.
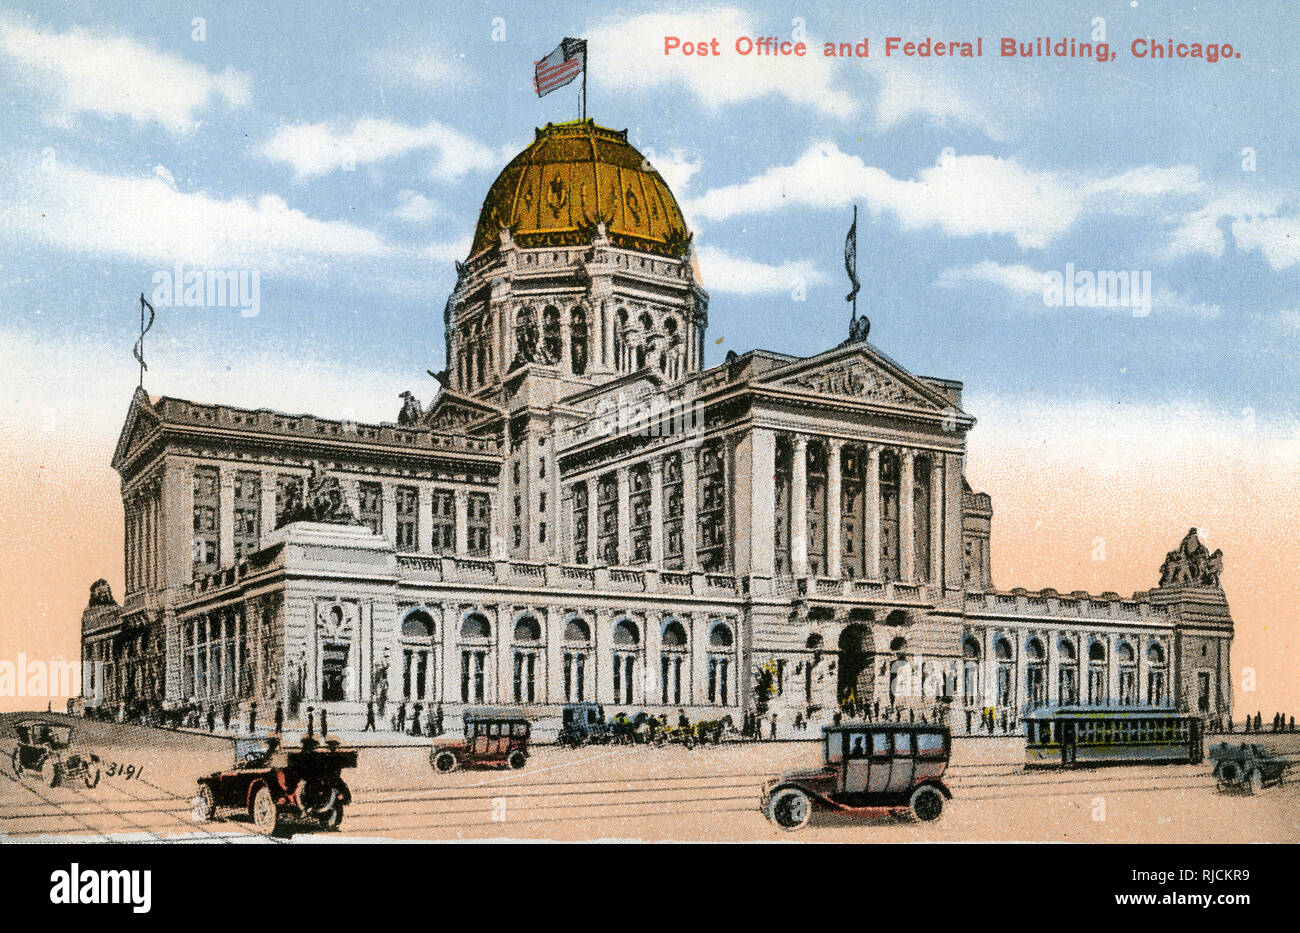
[656, 465]
[908, 454]
[835, 444]
[800, 441]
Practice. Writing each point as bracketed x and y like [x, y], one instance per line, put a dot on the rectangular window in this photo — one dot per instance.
[207, 519]
[674, 507]
[478, 527]
[248, 512]
[371, 501]
[580, 523]
[607, 519]
[713, 508]
[639, 506]
[444, 521]
[408, 518]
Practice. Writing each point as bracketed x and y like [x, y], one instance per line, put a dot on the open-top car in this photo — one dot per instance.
[495, 736]
[1246, 767]
[868, 769]
[273, 785]
[46, 747]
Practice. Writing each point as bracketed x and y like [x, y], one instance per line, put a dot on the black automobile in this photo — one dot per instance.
[584, 724]
[46, 747]
[1246, 767]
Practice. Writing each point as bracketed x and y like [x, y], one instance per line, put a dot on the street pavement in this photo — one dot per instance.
[710, 793]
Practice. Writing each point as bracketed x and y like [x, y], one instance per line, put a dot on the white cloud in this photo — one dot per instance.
[963, 195]
[1018, 279]
[315, 149]
[676, 168]
[1254, 218]
[905, 91]
[1277, 238]
[144, 218]
[117, 76]
[447, 250]
[723, 272]
[415, 208]
[422, 67]
[628, 55]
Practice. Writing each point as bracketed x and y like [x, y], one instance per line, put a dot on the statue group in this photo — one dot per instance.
[323, 502]
[1191, 564]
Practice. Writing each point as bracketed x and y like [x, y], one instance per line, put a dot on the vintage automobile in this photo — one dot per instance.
[274, 785]
[1246, 767]
[869, 769]
[583, 724]
[495, 736]
[46, 747]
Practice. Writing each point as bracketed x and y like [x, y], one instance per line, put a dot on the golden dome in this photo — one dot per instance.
[572, 177]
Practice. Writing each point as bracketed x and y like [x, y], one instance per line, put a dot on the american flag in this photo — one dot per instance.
[561, 66]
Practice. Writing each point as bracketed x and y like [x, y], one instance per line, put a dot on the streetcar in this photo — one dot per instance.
[1070, 736]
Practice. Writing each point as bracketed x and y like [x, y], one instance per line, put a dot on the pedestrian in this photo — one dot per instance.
[416, 710]
[311, 722]
[401, 716]
[968, 716]
[324, 724]
[1259, 722]
[252, 717]
[798, 721]
[428, 721]
[772, 734]
[212, 719]
[438, 721]
[225, 717]
[279, 716]
[370, 717]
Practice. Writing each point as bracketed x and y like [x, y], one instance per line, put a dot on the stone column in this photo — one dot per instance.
[449, 628]
[424, 520]
[657, 513]
[699, 660]
[936, 521]
[497, 533]
[690, 516]
[953, 562]
[390, 513]
[352, 496]
[1112, 668]
[503, 640]
[1144, 671]
[649, 686]
[761, 500]
[834, 508]
[871, 493]
[624, 517]
[226, 516]
[799, 507]
[554, 682]
[266, 514]
[906, 518]
[460, 499]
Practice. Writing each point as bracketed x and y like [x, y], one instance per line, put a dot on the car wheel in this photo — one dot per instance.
[50, 773]
[444, 762]
[207, 809]
[1256, 781]
[332, 818]
[91, 775]
[266, 817]
[516, 760]
[1230, 772]
[790, 808]
[926, 804]
[17, 761]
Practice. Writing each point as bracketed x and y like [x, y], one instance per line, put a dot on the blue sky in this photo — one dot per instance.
[342, 151]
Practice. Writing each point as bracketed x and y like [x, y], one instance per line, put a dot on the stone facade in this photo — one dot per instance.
[586, 512]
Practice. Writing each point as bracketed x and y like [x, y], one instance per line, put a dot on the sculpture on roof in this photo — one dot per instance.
[1191, 564]
[323, 502]
[411, 409]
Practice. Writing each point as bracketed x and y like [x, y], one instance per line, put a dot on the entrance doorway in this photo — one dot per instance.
[334, 673]
[856, 673]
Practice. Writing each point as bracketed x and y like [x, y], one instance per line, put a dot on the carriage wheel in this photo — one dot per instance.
[91, 775]
[1256, 781]
[1229, 773]
[50, 773]
[332, 818]
[266, 817]
[926, 804]
[17, 761]
[689, 742]
[790, 808]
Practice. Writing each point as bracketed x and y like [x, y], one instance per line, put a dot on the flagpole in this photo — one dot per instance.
[142, 340]
[584, 82]
[855, 260]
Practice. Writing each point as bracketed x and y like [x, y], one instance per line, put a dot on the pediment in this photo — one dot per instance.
[858, 372]
[452, 411]
[141, 420]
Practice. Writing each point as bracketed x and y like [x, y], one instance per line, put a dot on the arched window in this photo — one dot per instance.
[627, 641]
[620, 339]
[898, 644]
[473, 657]
[528, 633]
[552, 347]
[475, 626]
[419, 660]
[674, 667]
[525, 336]
[1157, 681]
[578, 341]
[1127, 659]
[1068, 673]
[576, 660]
[1006, 673]
[721, 665]
[970, 649]
[1035, 673]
